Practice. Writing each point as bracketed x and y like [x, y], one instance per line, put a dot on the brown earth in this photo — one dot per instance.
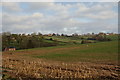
[23, 68]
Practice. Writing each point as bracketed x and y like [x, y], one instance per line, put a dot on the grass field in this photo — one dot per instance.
[104, 51]
[94, 61]
[65, 39]
[113, 37]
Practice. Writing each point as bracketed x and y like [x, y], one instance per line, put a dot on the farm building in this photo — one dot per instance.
[10, 49]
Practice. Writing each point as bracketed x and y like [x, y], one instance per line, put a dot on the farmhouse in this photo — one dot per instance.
[10, 49]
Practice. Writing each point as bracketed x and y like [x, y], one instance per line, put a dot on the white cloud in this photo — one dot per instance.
[11, 6]
[102, 15]
[59, 0]
[98, 11]
[37, 18]
[37, 15]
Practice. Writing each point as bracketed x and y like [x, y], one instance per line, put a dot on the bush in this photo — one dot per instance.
[51, 39]
[85, 41]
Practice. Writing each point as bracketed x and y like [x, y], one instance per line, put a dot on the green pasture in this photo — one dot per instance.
[65, 39]
[102, 51]
[112, 37]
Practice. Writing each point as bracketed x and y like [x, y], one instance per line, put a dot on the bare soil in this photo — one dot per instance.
[27, 68]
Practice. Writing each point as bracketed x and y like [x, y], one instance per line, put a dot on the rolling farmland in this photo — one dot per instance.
[84, 61]
[59, 40]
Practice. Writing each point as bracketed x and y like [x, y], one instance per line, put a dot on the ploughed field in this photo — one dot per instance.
[83, 61]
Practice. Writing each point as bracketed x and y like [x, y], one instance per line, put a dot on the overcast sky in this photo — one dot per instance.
[62, 17]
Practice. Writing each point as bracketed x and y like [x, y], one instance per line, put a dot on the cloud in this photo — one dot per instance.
[102, 15]
[37, 15]
[98, 11]
[65, 18]
[46, 6]
[11, 7]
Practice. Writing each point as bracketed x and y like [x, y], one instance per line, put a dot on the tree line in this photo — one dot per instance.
[34, 40]
[22, 41]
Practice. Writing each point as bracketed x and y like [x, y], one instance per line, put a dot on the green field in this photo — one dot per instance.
[112, 37]
[65, 39]
[102, 51]
[85, 60]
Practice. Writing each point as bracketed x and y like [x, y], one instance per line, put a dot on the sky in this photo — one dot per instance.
[59, 17]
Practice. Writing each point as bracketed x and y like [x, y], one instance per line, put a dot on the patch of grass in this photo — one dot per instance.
[112, 37]
[103, 51]
[65, 39]
[8, 77]
[48, 48]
